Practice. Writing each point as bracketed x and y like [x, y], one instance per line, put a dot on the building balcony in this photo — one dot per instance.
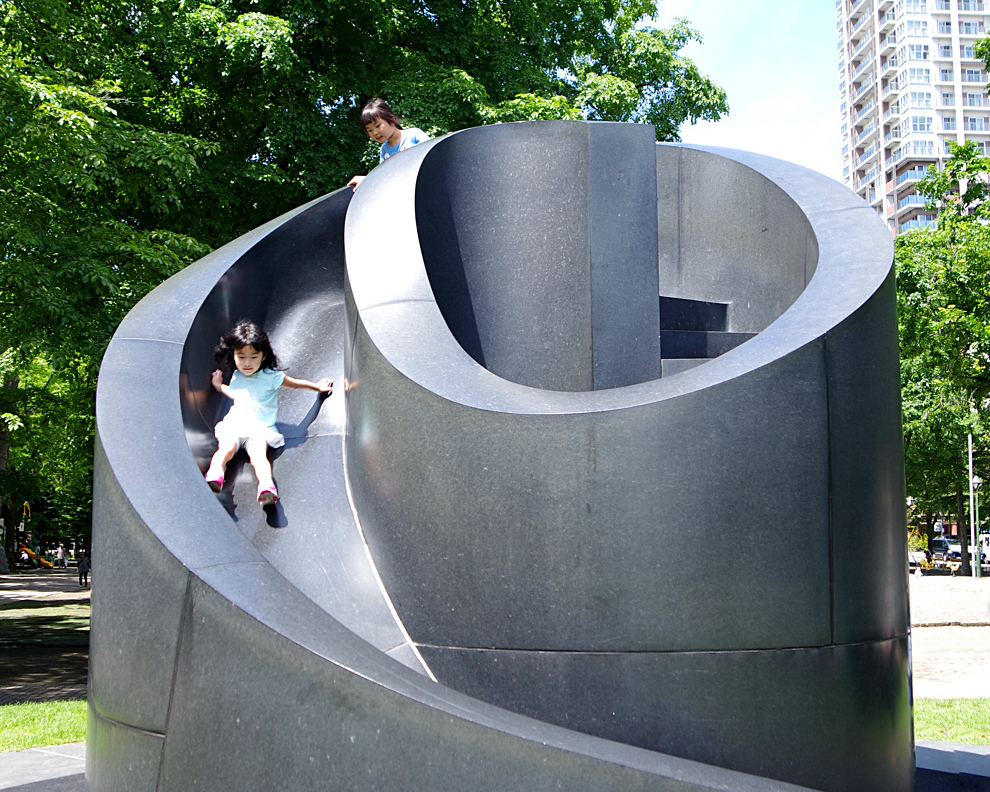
[921, 221]
[859, 26]
[862, 46]
[943, 5]
[890, 88]
[892, 137]
[866, 134]
[888, 44]
[971, 6]
[868, 156]
[862, 68]
[975, 78]
[886, 22]
[912, 175]
[859, 5]
[865, 111]
[864, 89]
[892, 112]
[978, 102]
[867, 179]
[911, 203]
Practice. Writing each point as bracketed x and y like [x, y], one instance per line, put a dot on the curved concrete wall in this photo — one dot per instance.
[591, 568]
[668, 562]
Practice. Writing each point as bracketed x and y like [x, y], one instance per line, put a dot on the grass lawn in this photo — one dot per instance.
[953, 720]
[35, 725]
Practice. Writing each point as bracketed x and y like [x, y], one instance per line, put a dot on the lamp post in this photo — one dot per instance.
[977, 550]
[972, 488]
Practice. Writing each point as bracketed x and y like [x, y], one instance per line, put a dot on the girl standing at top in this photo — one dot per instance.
[383, 127]
[253, 388]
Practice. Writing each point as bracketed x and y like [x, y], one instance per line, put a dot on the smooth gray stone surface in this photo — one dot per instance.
[699, 704]
[623, 242]
[483, 487]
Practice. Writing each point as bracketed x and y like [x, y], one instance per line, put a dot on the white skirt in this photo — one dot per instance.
[242, 428]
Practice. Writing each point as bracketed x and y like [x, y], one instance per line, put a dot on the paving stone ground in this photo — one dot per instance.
[45, 669]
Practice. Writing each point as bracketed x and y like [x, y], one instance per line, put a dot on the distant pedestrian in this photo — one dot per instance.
[84, 567]
[60, 555]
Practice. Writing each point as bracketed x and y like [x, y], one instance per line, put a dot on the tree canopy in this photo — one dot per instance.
[943, 287]
[136, 136]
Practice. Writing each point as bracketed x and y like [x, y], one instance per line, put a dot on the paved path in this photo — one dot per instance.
[39, 672]
[950, 636]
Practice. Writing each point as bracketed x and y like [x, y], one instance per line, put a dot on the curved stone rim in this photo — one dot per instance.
[389, 270]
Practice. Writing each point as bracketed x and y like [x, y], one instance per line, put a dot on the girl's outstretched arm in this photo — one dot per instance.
[324, 385]
[217, 380]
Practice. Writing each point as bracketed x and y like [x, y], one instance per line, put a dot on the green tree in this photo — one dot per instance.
[138, 135]
[943, 286]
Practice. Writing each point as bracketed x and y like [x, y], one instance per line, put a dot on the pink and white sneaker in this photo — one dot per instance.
[268, 495]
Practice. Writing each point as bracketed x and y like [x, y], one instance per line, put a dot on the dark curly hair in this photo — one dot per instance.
[378, 108]
[243, 334]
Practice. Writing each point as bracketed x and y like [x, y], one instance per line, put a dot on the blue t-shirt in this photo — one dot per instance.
[410, 137]
[256, 396]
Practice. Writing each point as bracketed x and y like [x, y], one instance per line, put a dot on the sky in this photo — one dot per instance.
[778, 62]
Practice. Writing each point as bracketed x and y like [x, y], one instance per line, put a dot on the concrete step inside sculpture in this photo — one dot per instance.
[513, 550]
[693, 331]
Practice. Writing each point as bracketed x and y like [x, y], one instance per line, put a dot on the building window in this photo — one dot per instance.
[971, 28]
[948, 123]
[917, 51]
[945, 28]
[975, 124]
[917, 27]
[948, 99]
[919, 76]
[945, 75]
[945, 50]
[974, 75]
[921, 99]
[915, 6]
[921, 123]
[967, 51]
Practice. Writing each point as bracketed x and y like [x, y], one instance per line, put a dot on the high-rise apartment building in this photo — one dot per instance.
[910, 82]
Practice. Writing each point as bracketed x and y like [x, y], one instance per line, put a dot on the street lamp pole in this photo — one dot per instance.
[977, 552]
[972, 524]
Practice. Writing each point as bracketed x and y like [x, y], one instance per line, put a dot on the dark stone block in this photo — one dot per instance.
[677, 314]
[680, 344]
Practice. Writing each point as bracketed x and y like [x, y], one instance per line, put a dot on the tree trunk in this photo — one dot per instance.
[963, 523]
[7, 518]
